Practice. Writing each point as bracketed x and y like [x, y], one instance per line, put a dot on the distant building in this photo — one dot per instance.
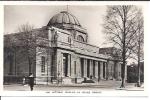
[111, 51]
[60, 51]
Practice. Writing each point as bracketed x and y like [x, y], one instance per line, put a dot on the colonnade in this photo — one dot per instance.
[93, 68]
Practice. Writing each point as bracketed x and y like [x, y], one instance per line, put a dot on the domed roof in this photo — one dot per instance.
[63, 18]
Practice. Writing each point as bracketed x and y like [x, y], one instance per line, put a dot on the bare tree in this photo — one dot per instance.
[27, 41]
[119, 27]
[139, 41]
[33, 42]
[10, 48]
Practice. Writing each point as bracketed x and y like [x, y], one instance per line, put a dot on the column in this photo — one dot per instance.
[58, 62]
[114, 70]
[78, 68]
[62, 67]
[91, 67]
[96, 69]
[99, 65]
[101, 70]
[75, 69]
[117, 71]
[55, 66]
[72, 65]
[88, 68]
[48, 65]
[106, 70]
[69, 64]
[85, 67]
[82, 66]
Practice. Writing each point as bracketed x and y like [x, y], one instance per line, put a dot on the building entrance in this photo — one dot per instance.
[65, 64]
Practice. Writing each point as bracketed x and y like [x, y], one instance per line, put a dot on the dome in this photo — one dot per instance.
[63, 18]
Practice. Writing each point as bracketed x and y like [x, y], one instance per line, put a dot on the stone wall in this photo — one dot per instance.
[43, 77]
[20, 65]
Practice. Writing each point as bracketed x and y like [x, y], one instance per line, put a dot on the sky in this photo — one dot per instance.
[90, 17]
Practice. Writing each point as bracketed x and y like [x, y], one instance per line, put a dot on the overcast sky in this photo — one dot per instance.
[90, 17]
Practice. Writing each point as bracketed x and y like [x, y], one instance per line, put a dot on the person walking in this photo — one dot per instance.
[31, 81]
[24, 80]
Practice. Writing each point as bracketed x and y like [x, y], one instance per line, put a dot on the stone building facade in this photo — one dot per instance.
[58, 52]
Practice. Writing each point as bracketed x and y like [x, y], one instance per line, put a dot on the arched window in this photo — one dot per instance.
[80, 38]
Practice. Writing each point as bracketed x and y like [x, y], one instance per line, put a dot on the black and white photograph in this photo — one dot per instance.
[57, 48]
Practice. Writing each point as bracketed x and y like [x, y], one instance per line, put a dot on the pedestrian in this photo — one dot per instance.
[24, 80]
[31, 81]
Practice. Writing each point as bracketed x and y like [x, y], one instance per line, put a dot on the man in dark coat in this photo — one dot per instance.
[31, 81]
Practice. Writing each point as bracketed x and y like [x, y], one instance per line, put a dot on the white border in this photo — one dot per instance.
[74, 3]
[1, 46]
[145, 4]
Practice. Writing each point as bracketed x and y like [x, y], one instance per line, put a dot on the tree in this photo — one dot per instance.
[10, 48]
[28, 42]
[34, 43]
[139, 41]
[119, 27]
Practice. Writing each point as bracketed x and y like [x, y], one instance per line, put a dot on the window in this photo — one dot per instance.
[10, 64]
[65, 64]
[69, 39]
[42, 64]
[80, 38]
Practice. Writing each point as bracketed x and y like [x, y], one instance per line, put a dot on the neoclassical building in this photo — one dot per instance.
[59, 52]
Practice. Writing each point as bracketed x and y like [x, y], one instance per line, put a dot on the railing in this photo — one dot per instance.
[14, 79]
[38, 80]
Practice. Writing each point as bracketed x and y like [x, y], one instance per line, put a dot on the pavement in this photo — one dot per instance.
[103, 85]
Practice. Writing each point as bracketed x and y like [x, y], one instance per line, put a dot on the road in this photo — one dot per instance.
[109, 85]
